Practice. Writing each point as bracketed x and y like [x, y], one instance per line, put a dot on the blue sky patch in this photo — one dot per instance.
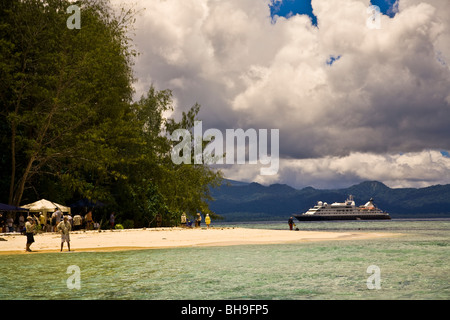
[387, 7]
[289, 8]
[332, 59]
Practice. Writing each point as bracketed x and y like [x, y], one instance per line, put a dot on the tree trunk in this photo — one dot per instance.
[13, 162]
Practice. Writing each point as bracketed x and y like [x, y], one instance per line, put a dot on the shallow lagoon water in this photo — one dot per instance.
[413, 266]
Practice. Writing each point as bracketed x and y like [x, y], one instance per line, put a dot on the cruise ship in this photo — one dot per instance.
[343, 211]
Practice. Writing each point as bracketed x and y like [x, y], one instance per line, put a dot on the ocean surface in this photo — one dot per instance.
[413, 266]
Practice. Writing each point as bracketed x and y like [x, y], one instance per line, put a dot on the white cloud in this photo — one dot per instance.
[388, 93]
[415, 169]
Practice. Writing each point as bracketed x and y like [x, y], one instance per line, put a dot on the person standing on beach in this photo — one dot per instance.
[198, 220]
[183, 220]
[111, 221]
[56, 218]
[64, 227]
[10, 223]
[291, 223]
[207, 221]
[29, 232]
[77, 220]
[21, 224]
[88, 220]
[70, 219]
[49, 222]
[42, 221]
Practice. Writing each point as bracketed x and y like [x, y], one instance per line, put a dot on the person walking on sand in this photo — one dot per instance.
[207, 220]
[64, 227]
[29, 232]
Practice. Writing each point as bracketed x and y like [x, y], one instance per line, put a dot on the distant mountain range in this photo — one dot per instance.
[241, 201]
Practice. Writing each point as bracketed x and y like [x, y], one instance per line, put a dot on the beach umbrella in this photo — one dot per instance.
[45, 206]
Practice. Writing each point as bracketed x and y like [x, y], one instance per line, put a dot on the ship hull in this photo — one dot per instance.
[304, 217]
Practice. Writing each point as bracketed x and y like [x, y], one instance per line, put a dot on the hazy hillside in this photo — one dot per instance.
[237, 201]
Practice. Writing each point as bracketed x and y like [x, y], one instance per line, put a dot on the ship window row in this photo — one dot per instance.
[338, 212]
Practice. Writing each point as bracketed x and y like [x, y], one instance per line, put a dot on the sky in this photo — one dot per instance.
[352, 102]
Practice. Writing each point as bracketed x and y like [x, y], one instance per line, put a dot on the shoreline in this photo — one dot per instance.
[164, 238]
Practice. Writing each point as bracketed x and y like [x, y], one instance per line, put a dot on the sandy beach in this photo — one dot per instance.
[158, 238]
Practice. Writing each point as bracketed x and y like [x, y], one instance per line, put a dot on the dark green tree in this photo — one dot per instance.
[61, 88]
[69, 127]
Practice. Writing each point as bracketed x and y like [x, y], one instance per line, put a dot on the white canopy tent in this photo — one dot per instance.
[45, 206]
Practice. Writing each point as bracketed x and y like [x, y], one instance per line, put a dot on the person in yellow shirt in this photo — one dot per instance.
[207, 220]
[42, 221]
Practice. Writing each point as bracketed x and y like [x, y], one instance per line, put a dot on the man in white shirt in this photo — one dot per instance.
[77, 220]
[56, 218]
[64, 227]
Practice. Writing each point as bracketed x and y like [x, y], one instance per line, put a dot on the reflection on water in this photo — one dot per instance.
[414, 266]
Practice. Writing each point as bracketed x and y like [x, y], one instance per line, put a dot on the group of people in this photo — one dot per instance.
[77, 222]
[198, 221]
[55, 222]
[63, 223]
[64, 227]
[9, 223]
[49, 222]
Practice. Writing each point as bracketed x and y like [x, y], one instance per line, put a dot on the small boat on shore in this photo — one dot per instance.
[343, 211]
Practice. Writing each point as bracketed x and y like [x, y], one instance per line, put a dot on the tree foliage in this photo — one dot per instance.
[69, 128]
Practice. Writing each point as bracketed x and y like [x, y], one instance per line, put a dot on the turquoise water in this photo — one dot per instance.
[414, 266]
